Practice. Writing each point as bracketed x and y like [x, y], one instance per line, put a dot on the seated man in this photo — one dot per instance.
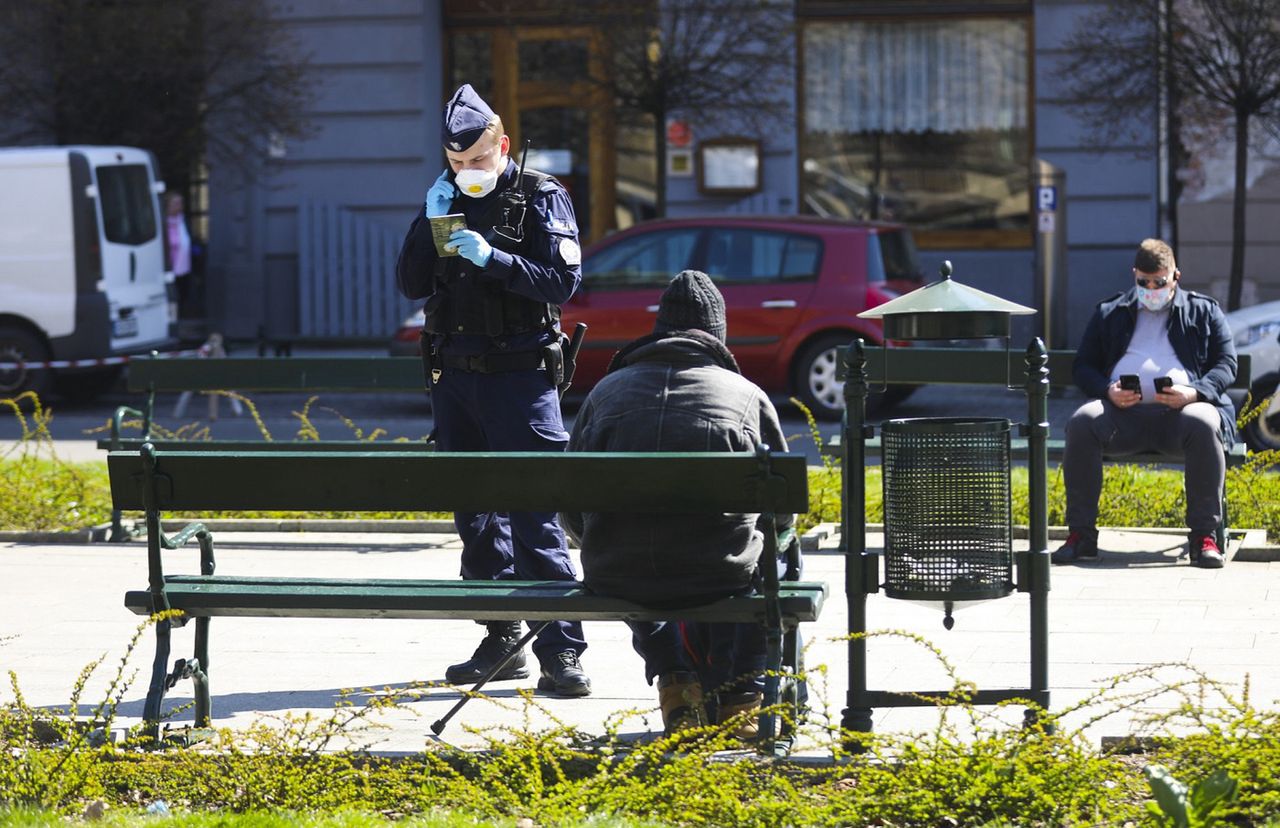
[1152, 331]
[679, 389]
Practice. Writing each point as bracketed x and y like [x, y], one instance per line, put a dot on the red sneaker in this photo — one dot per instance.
[1080, 547]
[1206, 553]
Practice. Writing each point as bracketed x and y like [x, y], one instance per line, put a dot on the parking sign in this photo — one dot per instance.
[1047, 198]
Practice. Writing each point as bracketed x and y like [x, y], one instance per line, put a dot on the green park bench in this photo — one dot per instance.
[997, 367]
[157, 481]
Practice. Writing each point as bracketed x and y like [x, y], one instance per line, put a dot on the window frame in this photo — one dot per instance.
[127, 188]
[819, 13]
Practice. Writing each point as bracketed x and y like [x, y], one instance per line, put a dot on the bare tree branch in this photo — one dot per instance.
[185, 80]
[1225, 61]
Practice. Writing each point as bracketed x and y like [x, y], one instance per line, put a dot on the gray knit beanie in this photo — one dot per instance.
[691, 301]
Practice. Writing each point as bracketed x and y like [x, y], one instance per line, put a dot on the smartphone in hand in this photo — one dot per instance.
[1129, 382]
[1163, 384]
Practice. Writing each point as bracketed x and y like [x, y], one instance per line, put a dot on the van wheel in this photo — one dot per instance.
[24, 348]
[1260, 433]
[814, 379]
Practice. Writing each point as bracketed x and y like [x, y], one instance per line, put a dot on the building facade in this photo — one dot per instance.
[929, 112]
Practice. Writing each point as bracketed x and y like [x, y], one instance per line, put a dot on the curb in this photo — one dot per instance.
[89, 534]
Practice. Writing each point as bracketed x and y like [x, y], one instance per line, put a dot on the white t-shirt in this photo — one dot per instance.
[1151, 355]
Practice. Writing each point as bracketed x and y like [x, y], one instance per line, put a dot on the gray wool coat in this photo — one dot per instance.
[674, 391]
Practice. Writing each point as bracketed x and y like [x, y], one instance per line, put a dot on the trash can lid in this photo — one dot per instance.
[946, 309]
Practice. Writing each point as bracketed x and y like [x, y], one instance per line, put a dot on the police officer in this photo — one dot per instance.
[492, 345]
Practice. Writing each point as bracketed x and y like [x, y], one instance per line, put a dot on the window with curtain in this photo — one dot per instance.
[921, 121]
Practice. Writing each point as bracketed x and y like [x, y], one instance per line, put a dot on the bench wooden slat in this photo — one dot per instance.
[263, 597]
[461, 481]
[135, 443]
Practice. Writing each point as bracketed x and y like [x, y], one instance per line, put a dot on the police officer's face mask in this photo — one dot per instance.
[478, 183]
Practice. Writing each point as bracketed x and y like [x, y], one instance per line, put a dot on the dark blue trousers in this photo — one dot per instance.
[727, 658]
[512, 411]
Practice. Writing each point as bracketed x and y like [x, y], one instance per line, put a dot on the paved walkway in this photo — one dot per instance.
[61, 607]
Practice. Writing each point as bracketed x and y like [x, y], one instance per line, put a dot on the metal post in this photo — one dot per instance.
[1037, 559]
[1050, 186]
[200, 674]
[853, 527]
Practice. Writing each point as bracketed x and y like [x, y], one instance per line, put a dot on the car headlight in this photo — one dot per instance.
[1258, 333]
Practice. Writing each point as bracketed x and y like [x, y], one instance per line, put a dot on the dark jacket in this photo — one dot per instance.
[1198, 332]
[677, 391]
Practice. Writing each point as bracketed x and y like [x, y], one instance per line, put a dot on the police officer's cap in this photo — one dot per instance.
[465, 117]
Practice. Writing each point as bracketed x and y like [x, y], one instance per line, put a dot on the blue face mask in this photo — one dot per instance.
[1154, 299]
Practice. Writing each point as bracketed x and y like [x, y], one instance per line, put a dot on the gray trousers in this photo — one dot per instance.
[1190, 433]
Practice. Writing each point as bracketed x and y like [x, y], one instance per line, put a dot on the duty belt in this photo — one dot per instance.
[494, 363]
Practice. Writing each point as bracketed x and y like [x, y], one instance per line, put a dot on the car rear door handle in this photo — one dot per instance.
[778, 303]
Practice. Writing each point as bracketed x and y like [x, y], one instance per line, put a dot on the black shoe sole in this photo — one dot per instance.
[1085, 559]
[548, 685]
[472, 678]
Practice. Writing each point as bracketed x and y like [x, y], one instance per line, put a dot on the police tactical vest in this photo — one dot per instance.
[465, 302]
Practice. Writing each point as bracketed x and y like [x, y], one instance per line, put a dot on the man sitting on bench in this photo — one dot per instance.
[1157, 360]
[679, 389]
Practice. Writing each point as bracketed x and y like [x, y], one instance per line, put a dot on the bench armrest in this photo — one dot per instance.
[117, 424]
[155, 564]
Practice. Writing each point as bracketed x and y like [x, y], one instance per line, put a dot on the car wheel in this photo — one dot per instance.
[814, 379]
[1260, 434]
[24, 348]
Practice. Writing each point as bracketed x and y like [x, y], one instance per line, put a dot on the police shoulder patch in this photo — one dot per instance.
[570, 252]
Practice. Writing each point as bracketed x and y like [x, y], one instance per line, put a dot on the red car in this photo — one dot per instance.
[792, 286]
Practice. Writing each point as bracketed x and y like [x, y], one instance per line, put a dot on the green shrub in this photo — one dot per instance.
[971, 768]
[38, 490]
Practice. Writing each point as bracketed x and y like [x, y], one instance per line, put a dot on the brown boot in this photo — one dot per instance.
[746, 708]
[680, 697]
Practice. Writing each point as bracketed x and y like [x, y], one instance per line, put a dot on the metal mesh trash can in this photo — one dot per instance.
[947, 513]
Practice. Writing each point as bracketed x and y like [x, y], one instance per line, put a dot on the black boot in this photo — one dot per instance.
[502, 636]
[562, 674]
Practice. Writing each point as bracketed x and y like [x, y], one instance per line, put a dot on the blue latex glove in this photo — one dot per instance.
[471, 246]
[440, 196]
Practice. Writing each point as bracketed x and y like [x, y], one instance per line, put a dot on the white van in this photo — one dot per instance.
[83, 272]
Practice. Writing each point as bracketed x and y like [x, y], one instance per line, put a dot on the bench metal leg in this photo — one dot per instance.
[772, 684]
[200, 674]
[1224, 521]
[118, 534]
[159, 682]
[794, 691]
